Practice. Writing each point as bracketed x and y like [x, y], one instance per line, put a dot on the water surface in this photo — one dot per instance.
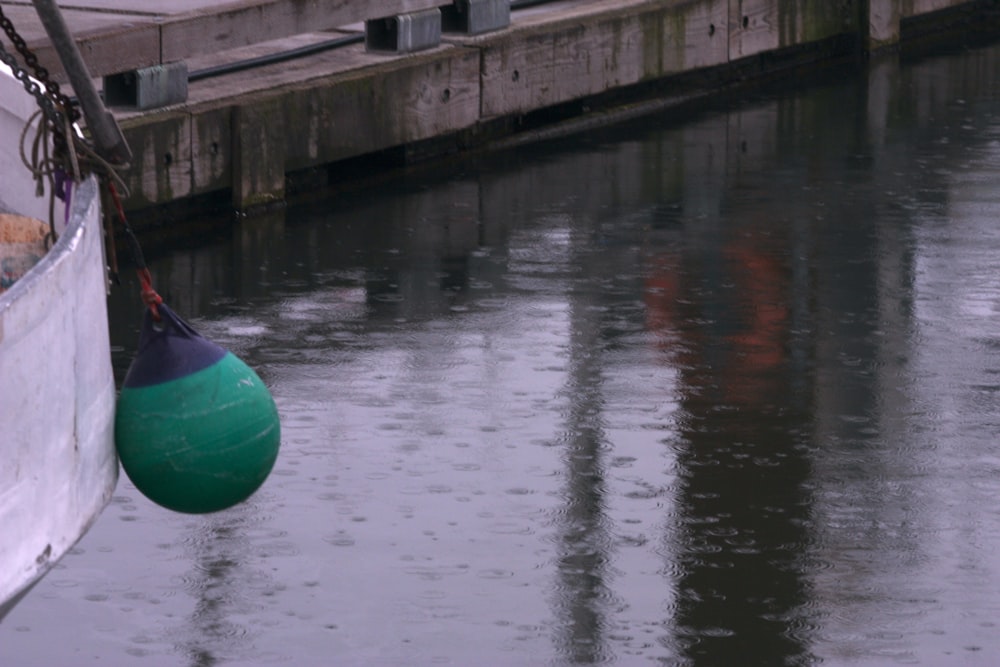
[713, 392]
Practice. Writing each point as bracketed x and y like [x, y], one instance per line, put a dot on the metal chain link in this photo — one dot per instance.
[40, 73]
[31, 86]
[55, 105]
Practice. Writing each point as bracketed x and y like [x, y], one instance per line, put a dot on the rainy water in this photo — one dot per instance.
[718, 390]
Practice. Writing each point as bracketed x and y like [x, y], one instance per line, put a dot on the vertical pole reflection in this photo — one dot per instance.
[742, 506]
[583, 541]
[582, 595]
[223, 587]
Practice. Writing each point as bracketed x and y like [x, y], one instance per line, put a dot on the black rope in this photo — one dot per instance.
[270, 59]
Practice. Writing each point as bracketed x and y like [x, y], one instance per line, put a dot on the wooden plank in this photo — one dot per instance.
[122, 35]
[219, 27]
[145, 7]
[105, 40]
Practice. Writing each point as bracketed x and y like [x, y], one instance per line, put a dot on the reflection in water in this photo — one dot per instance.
[721, 393]
[741, 450]
[226, 586]
[210, 621]
[582, 594]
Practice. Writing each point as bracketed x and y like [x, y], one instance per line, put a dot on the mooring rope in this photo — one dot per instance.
[61, 156]
[149, 295]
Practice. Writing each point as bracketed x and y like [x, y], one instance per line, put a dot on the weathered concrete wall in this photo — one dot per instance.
[572, 53]
[885, 17]
[915, 7]
[766, 25]
[245, 132]
[247, 142]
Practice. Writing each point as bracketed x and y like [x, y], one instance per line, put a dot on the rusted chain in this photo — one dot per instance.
[71, 154]
[40, 73]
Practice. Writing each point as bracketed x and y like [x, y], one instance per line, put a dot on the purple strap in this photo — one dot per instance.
[63, 186]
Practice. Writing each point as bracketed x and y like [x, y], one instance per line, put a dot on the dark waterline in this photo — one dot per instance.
[716, 393]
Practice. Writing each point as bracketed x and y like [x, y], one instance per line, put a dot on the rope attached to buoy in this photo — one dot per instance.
[149, 295]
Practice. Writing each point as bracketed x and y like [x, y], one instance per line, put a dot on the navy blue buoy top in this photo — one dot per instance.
[169, 350]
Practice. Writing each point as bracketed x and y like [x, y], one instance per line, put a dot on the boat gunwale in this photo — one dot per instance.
[82, 222]
[85, 195]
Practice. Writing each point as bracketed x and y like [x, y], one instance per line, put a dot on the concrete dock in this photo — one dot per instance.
[227, 99]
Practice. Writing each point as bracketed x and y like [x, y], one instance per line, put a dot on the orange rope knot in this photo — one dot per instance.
[149, 295]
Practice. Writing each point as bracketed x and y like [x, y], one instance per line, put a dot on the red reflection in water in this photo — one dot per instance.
[739, 354]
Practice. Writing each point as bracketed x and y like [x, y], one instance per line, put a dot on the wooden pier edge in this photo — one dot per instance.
[245, 137]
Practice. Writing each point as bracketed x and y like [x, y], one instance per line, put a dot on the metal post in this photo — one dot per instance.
[109, 142]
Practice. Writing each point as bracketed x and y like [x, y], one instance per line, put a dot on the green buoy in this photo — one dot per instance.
[196, 429]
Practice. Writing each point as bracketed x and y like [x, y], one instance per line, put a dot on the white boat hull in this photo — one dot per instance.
[58, 466]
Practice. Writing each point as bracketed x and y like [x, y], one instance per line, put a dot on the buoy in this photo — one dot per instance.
[196, 429]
